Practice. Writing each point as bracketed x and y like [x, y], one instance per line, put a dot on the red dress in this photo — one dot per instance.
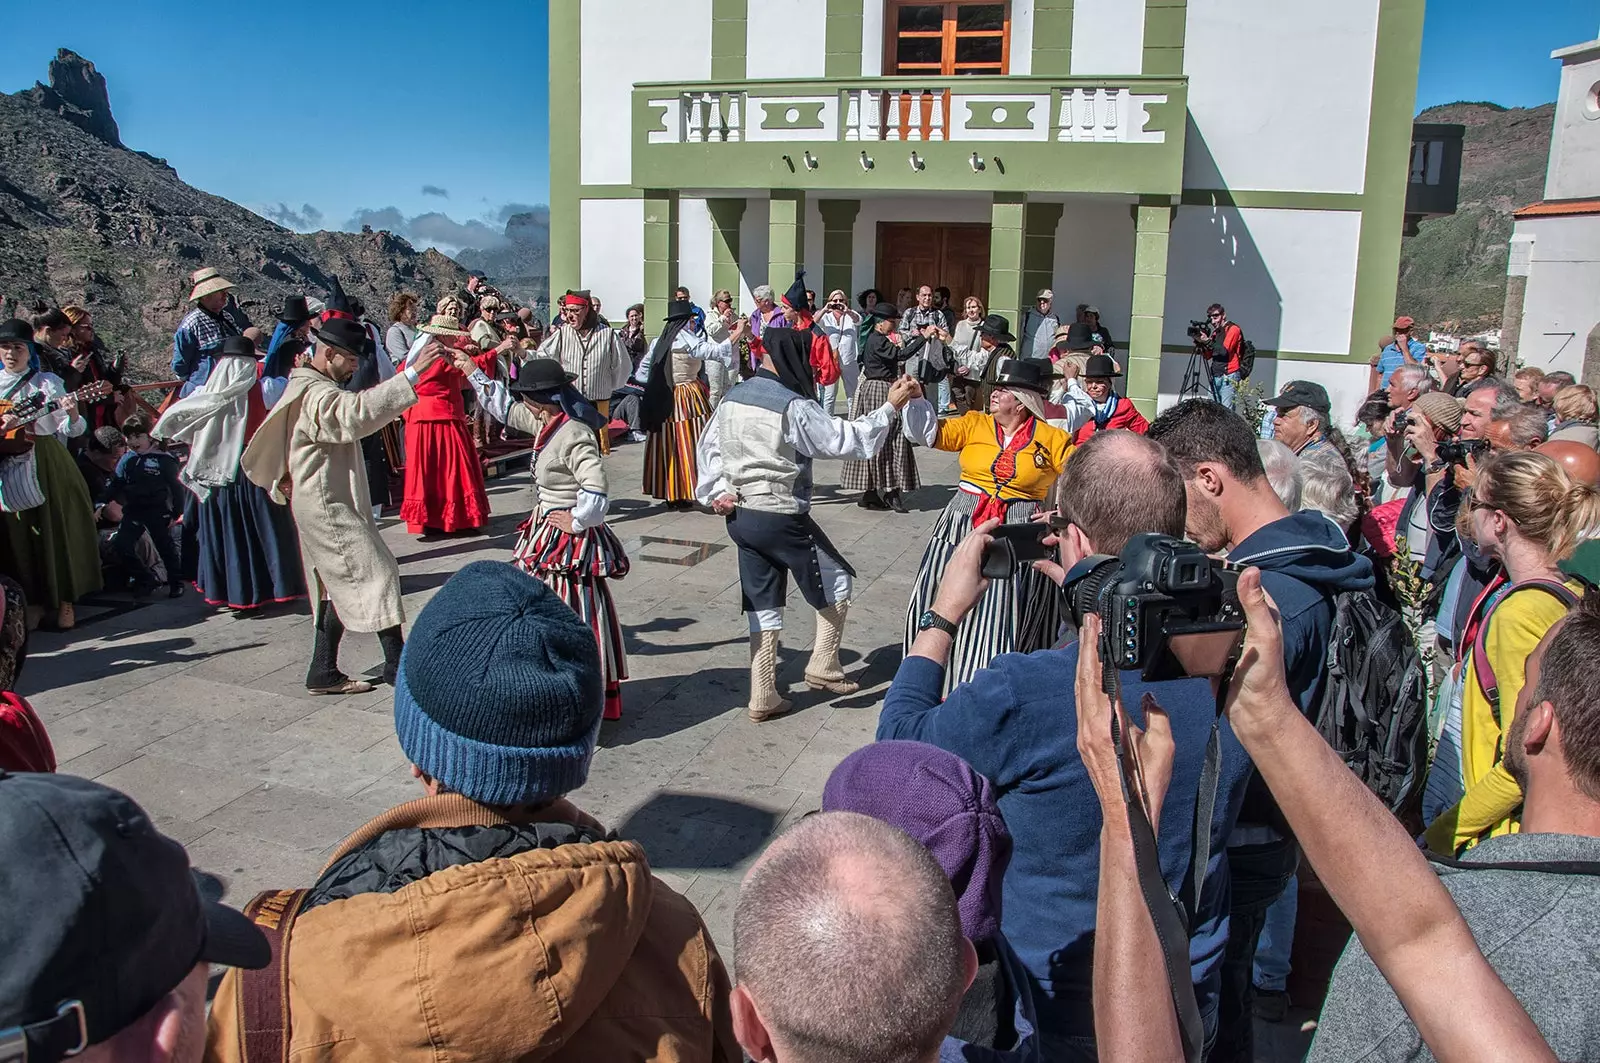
[1126, 415]
[444, 476]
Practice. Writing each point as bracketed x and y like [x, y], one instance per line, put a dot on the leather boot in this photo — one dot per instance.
[823, 671]
[324, 676]
[765, 701]
[389, 638]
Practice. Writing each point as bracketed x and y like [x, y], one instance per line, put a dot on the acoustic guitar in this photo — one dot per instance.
[16, 439]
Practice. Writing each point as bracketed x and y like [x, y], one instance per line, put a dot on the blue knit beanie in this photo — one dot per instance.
[500, 690]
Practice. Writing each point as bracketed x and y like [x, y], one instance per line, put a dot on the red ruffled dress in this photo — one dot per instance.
[444, 476]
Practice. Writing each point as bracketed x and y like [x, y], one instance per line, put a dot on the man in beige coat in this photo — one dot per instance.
[312, 439]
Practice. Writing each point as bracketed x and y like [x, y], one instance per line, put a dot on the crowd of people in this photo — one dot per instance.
[1045, 855]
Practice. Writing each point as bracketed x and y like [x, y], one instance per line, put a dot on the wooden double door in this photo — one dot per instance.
[955, 255]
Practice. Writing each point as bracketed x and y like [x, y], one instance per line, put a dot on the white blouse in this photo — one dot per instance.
[59, 424]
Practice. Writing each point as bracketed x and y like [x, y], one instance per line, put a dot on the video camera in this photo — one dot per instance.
[1457, 451]
[1166, 608]
[1201, 332]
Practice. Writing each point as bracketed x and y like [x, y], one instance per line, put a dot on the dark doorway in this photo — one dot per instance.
[934, 253]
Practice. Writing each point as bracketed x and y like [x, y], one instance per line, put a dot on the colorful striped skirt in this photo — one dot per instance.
[577, 567]
[669, 456]
[1018, 615]
[893, 468]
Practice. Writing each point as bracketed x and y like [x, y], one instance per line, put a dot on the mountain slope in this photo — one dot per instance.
[84, 219]
[1453, 272]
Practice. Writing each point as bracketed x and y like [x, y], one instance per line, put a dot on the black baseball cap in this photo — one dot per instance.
[1302, 393]
[101, 917]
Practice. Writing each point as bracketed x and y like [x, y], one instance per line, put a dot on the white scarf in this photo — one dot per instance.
[212, 421]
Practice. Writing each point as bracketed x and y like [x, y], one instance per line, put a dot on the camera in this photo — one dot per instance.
[1402, 421]
[1457, 451]
[1201, 332]
[1167, 609]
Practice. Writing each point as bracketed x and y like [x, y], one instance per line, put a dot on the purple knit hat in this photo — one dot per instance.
[938, 799]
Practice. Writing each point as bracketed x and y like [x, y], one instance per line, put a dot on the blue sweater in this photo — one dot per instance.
[1016, 723]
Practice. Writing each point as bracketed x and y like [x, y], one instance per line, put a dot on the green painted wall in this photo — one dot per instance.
[1006, 221]
[1039, 224]
[1164, 29]
[838, 245]
[726, 214]
[727, 38]
[1152, 227]
[660, 250]
[566, 236]
[786, 238]
[1052, 37]
[842, 46]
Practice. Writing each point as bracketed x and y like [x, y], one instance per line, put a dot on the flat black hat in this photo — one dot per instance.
[1100, 365]
[997, 327]
[883, 312]
[1024, 373]
[347, 335]
[16, 329]
[1302, 393]
[540, 375]
[238, 347]
[679, 310]
[295, 312]
[102, 917]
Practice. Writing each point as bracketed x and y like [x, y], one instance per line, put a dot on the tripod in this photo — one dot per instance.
[1197, 375]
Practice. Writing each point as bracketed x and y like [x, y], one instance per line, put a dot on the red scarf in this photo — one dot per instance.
[1004, 470]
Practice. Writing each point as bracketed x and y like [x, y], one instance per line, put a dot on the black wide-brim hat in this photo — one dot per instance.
[1100, 365]
[679, 310]
[16, 330]
[996, 327]
[347, 335]
[1024, 373]
[238, 347]
[540, 376]
[883, 312]
[295, 311]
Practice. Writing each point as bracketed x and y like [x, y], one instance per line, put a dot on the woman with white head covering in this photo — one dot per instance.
[1010, 458]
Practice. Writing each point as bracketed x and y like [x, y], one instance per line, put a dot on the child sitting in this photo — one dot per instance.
[147, 486]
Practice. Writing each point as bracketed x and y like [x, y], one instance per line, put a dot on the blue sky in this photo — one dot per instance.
[432, 120]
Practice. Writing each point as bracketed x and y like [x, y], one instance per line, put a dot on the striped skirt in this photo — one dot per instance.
[1018, 615]
[893, 468]
[669, 455]
[577, 567]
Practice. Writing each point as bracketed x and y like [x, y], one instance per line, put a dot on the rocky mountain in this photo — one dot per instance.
[520, 267]
[1453, 272]
[84, 219]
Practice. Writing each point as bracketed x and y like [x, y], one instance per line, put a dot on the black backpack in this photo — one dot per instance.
[1247, 358]
[1374, 706]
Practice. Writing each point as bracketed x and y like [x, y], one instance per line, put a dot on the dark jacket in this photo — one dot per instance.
[148, 483]
[883, 359]
[1015, 723]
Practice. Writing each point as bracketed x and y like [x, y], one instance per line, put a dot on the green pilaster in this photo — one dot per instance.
[786, 237]
[727, 39]
[660, 250]
[1152, 227]
[1164, 26]
[566, 234]
[838, 244]
[726, 214]
[1039, 222]
[1394, 91]
[842, 48]
[1005, 256]
[1052, 37]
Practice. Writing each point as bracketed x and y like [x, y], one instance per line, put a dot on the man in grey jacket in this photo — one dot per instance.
[1531, 899]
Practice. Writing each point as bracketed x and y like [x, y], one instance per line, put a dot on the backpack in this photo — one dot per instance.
[1247, 357]
[1374, 706]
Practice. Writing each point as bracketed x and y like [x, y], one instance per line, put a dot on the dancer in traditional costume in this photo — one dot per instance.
[592, 351]
[311, 440]
[755, 469]
[565, 541]
[249, 556]
[676, 403]
[444, 474]
[47, 538]
[885, 475]
[1010, 458]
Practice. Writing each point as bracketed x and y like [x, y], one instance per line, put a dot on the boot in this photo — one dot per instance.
[324, 677]
[389, 638]
[823, 671]
[765, 701]
[894, 503]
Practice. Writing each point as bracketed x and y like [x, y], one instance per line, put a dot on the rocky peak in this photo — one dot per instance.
[77, 92]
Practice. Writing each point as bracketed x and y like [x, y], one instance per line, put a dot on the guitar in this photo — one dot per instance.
[26, 411]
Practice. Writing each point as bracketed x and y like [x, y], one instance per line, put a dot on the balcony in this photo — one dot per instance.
[1012, 134]
[1435, 177]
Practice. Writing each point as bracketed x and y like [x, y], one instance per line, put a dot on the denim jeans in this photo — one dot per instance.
[827, 395]
[1260, 874]
[1223, 386]
[1277, 940]
[944, 395]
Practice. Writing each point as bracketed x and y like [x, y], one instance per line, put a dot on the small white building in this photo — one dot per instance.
[1554, 267]
[1149, 157]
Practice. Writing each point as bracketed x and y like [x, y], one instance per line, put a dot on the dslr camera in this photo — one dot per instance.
[1166, 609]
[1457, 451]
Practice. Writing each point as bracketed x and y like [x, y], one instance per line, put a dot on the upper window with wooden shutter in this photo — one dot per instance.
[944, 40]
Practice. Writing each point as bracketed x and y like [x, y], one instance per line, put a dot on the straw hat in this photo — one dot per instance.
[444, 325]
[209, 282]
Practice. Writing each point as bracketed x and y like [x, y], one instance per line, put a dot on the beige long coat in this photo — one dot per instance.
[313, 435]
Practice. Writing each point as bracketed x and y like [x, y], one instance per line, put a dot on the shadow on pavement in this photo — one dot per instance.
[694, 832]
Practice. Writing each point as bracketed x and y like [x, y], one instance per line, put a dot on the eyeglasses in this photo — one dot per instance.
[1474, 365]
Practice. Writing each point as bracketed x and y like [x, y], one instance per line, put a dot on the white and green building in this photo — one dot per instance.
[1146, 156]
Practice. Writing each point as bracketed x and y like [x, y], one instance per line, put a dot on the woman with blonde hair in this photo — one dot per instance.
[1575, 415]
[1524, 511]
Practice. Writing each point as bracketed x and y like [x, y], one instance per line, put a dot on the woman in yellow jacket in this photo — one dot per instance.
[1525, 512]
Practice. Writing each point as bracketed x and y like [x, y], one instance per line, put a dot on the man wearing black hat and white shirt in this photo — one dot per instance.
[312, 438]
[105, 943]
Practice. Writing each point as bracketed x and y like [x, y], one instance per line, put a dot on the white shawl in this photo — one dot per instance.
[212, 421]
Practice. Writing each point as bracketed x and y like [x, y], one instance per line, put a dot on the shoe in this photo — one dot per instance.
[765, 701]
[344, 686]
[638, 437]
[175, 590]
[895, 503]
[66, 617]
[871, 500]
[1271, 1005]
[141, 588]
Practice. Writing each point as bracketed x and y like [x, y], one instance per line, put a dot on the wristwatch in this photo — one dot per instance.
[931, 619]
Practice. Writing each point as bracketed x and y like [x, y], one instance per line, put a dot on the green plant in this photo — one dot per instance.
[1250, 402]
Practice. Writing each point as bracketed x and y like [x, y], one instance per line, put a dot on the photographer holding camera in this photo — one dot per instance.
[1223, 342]
[1014, 722]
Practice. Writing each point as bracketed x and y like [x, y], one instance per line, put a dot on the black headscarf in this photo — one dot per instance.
[572, 403]
[655, 409]
[790, 352]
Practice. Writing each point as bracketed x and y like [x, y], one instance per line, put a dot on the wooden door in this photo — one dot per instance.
[911, 254]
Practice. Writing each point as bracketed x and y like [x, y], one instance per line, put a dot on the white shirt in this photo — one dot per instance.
[694, 344]
[841, 327]
[59, 424]
[590, 509]
[808, 428]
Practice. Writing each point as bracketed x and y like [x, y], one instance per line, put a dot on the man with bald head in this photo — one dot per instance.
[1580, 462]
[847, 947]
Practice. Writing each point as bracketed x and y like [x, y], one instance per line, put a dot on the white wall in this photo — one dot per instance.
[1280, 92]
[784, 38]
[1574, 171]
[694, 248]
[872, 38]
[613, 251]
[1094, 262]
[1022, 36]
[754, 243]
[623, 41]
[1563, 294]
[1107, 37]
[1288, 277]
